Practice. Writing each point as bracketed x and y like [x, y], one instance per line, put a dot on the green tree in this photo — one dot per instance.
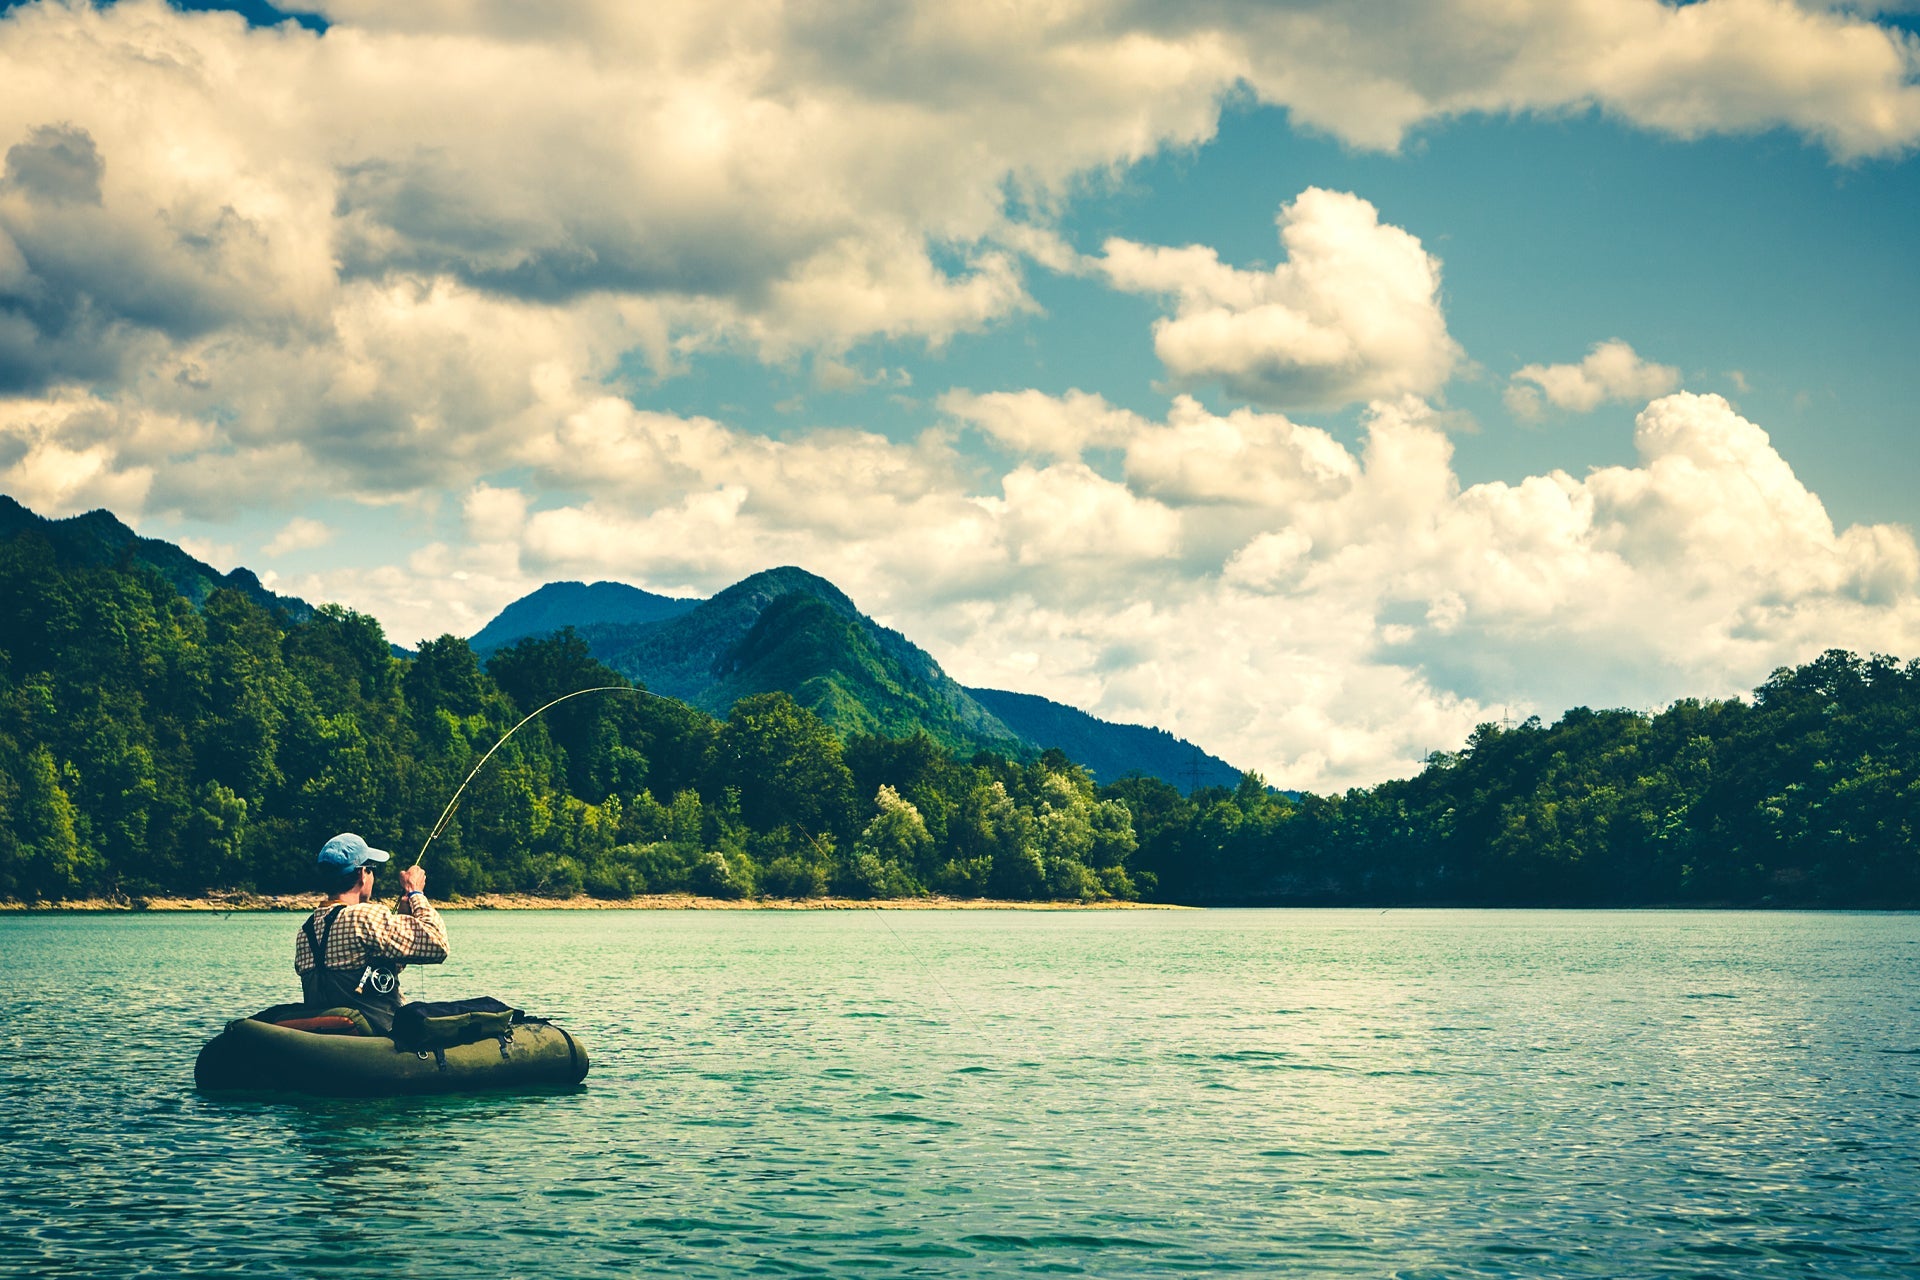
[787, 766]
[50, 862]
[894, 852]
[239, 738]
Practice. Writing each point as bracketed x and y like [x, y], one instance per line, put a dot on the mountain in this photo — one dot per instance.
[1107, 750]
[789, 631]
[781, 630]
[578, 605]
[99, 539]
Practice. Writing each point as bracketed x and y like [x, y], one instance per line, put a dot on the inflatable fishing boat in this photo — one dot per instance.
[336, 1052]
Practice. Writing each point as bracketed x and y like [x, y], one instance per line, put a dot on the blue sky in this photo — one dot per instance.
[1311, 380]
[1759, 255]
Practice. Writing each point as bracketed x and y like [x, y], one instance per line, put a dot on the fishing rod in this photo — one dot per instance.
[447, 812]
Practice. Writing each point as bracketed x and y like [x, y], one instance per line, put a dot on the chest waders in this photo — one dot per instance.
[374, 990]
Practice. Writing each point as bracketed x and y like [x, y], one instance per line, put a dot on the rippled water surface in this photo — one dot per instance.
[985, 1093]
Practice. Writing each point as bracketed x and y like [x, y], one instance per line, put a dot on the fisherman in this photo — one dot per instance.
[361, 946]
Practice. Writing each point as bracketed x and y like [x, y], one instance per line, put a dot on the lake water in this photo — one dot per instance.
[1324, 1093]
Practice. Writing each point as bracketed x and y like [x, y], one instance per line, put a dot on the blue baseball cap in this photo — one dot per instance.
[347, 851]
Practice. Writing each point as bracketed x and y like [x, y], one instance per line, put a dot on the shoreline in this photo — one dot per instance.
[306, 902]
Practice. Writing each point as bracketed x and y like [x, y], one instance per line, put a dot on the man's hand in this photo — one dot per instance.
[412, 878]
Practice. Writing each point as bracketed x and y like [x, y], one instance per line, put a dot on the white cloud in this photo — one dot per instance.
[494, 514]
[1249, 458]
[1370, 71]
[1326, 615]
[57, 480]
[415, 257]
[357, 257]
[1364, 70]
[1714, 504]
[70, 452]
[782, 175]
[299, 534]
[1035, 423]
[756, 174]
[1612, 371]
[1352, 314]
[1066, 515]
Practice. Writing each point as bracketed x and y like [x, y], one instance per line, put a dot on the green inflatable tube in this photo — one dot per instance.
[251, 1054]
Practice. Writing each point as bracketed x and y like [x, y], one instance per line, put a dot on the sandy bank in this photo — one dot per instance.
[528, 902]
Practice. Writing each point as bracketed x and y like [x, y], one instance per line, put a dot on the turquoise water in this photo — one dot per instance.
[1324, 1093]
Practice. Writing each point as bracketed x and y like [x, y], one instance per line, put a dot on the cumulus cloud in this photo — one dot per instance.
[1366, 71]
[352, 254]
[1032, 422]
[1714, 501]
[1352, 314]
[71, 452]
[1372, 70]
[299, 534]
[1323, 613]
[411, 387]
[421, 255]
[1253, 459]
[761, 174]
[1063, 516]
[781, 175]
[1612, 371]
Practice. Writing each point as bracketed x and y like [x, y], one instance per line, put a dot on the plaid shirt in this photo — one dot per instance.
[367, 931]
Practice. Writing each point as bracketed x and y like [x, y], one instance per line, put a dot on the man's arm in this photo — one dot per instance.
[417, 934]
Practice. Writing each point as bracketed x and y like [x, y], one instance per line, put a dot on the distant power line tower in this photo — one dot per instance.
[1192, 773]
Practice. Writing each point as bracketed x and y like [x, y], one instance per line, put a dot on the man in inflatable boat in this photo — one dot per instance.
[350, 951]
[354, 1034]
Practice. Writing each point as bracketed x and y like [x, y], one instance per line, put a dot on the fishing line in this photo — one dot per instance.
[881, 914]
[447, 814]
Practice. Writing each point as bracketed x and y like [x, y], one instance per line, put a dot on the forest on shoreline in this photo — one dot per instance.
[149, 747]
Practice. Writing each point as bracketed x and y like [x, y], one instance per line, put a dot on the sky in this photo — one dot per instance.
[1313, 380]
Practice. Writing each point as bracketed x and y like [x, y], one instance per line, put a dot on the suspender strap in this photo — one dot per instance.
[319, 944]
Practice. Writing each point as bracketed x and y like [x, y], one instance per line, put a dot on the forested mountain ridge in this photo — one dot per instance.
[872, 679]
[99, 538]
[575, 604]
[787, 630]
[1806, 795]
[791, 631]
[1106, 749]
[147, 746]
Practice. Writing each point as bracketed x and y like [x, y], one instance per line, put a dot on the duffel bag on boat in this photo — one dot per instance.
[442, 1024]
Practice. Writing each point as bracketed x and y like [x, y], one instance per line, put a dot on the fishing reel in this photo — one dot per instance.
[383, 981]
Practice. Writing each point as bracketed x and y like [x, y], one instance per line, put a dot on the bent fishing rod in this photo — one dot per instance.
[447, 813]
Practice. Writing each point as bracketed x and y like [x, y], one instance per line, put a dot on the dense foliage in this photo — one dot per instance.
[1807, 795]
[147, 745]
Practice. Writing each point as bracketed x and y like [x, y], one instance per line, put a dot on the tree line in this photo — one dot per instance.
[149, 747]
[1806, 795]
